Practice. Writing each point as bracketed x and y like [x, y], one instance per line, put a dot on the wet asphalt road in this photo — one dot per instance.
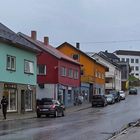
[89, 124]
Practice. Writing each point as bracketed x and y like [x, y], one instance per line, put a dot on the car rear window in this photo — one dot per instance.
[45, 101]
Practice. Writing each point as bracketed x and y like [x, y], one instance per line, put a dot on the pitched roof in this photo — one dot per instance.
[86, 54]
[127, 52]
[104, 56]
[9, 36]
[110, 55]
[50, 49]
[66, 43]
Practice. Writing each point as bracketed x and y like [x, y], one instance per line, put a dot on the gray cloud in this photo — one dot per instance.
[84, 21]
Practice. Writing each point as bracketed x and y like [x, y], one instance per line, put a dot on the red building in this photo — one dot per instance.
[58, 75]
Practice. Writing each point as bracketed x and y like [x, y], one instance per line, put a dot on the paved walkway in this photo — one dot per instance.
[130, 134]
[12, 116]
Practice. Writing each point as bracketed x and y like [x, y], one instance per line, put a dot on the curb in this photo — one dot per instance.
[69, 110]
[124, 129]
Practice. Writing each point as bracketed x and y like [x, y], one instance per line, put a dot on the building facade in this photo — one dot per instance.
[133, 58]
[18, 71]
[112, 76]
[58, 76]
[92, 72]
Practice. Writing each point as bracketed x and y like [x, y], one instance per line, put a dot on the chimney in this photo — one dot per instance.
[33, 35]
[46, 40]
[78, 45]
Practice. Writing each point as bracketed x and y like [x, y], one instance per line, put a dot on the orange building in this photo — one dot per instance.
[92, 72]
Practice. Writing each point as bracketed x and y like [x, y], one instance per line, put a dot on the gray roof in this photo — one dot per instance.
[127, 52]
[9, 36]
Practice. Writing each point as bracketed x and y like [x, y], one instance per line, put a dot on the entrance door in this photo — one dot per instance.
[22, 101]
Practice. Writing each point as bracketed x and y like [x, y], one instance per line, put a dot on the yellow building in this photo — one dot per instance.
[92, 72]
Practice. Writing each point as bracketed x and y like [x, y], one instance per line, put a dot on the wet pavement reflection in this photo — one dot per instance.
[90, 124]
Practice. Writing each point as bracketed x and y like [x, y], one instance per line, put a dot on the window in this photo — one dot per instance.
[132, 60]
[11, 95]
[103, 76]
[136, 60]
[99, 75]
[63, 71]
[11, 63]
[127, 60]
[123, 59]
[76, 74]
[137, 74]
[75, 56]
[136, 68]
[132, 67]
[41, 69]
[28, 67]
[70, 73]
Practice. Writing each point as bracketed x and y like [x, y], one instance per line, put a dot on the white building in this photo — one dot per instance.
[113, 76]
[133, 58]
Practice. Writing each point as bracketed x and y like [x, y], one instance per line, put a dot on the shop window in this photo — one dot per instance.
[11, 95]
[69, 96]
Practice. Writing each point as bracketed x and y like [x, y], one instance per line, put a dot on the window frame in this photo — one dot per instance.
[70, 73]
[63, 71]
[45, 70]
[10, 67]
[30, 62]
[76, 74]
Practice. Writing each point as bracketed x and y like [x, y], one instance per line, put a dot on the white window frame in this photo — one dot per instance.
[44, 69]
[63, 71]
[9, 64]
[28, 67]
[70, 73]
[76, 74]
[9, 105]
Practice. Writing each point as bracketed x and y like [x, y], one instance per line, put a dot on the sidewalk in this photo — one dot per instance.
[131, 132]
[12, 116]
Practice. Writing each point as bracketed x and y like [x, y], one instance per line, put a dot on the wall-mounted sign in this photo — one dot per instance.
[11, 86]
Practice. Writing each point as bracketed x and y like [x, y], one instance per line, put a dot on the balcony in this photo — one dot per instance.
[88, 79]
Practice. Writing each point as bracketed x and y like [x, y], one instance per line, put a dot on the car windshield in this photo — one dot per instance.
[109, 96]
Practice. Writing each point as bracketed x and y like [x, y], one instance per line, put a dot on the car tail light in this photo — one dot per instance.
[52, 106]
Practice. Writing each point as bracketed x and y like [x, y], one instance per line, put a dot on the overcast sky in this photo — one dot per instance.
[98, 25]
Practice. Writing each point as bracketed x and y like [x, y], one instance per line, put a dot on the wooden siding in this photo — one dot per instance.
[89, 66]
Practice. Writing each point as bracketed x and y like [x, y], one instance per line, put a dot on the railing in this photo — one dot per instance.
[88, 79]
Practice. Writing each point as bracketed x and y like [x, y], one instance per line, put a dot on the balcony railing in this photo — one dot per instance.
[88, 79]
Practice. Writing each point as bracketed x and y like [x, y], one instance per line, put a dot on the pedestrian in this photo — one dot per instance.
[4, 103]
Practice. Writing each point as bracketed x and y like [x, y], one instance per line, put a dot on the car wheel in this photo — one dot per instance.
[56, 114]
[38, 115]
[47, 115]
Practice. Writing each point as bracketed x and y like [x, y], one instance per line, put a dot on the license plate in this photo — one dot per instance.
[44, 109]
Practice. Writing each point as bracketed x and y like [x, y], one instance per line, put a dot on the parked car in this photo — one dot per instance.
[48, 106]
[122, 95]
[99, 100]
[133, 91]
[116, 95]
[110, 99]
